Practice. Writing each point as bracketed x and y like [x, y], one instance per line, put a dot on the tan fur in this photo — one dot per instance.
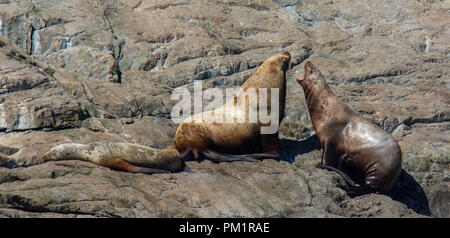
[122, 156]
[236, 138]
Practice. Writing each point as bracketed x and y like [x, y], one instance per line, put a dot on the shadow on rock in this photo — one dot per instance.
[291, 148]
[8, 150]
[5, 153]
[407, 191]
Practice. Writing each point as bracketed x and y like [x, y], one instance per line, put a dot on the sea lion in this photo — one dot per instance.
[352, 146]
[221, 141]
[120, 156]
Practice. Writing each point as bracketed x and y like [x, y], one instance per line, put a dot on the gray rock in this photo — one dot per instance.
[84, 71]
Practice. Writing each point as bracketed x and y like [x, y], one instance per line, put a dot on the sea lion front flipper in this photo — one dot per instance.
[122, 165]
[328, 156]
[190, 155]
[270, 144]
[344, 175]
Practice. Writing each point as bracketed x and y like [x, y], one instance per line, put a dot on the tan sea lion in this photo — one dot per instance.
[220, 141]
[120, 156]
[352, 146]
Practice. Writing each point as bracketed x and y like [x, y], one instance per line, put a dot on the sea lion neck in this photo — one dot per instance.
[314, 91]
[320, 100]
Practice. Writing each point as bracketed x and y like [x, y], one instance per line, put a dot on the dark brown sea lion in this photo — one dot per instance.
[352, 146]
[239, 140]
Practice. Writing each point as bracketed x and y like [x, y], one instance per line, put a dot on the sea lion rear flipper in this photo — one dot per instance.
[120, 164]
[262, 156]
[152, 171]
[219, 157]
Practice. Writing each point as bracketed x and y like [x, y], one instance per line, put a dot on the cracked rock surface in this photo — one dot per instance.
[85, 71]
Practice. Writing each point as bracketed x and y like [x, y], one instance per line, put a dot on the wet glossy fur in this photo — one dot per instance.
[351, 144]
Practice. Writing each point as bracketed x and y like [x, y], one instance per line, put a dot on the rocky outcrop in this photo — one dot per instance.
[84, 71]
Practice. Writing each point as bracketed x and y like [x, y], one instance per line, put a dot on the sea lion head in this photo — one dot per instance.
[284, 59]
[270, 74]
[313, 77]
[66, 151]
[281, 61]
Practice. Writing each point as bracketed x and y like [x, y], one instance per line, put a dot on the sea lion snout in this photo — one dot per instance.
[309, 69]
[287, 59]
[287, 54]
[309, 74]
